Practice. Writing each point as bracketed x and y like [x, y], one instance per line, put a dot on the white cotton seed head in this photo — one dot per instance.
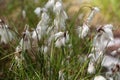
[67, 37]
[118, 49]
[110, 26]
[79, 31]
[59, 34]
[91, 68]
[44, 19]
[103, 37]
[99, 78]
[24, 14]
[92, 14]
[39, 32]
[60, 16]
[50, 4]
[113, 52]
[61, 39]
[59, 23]
[37, 11]
[90, 17]
[36, 35]
[25, 45]
[109, 62]
[25, 42]
[83, 31]
[96, 42]
[18, 49]
[42, 26]
[96, 9]
[58, 7]
[45, 49]
[6, 34]
[110, 78]
[60, 42]
[61, 75]
[108, 31]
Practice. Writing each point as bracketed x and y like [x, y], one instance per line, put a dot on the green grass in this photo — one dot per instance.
[70, 60]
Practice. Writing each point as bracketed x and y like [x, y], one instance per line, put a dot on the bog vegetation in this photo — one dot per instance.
[40, 41]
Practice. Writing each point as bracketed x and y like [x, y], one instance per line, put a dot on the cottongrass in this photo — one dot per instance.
[52, 50]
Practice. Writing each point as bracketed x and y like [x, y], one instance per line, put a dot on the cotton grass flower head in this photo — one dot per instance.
[44, 49]
[37, 11]
[103, 37]
[61, 16]
[50, 4]
[23, 14]
[97, 55]
[94, 10]
[18, 56]
[83, 31]
[91, 68]
[61, 38]
[99, 78]
[109, 62]
[114, 73]
[113, 52]
[61, 75]
[44, 18]
[58, 7]
[25, 42]
[6, 33]
[108, 32]
[42, 26]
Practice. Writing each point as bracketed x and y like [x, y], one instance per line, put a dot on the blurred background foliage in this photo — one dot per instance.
[110, 9]
[12, 9]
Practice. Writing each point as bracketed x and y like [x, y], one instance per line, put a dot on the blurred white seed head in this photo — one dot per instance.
[24, 14]
[25, 42]
[44, 49]
[44, 18]
[113, 52]
[61, 38]
[59, 34]
[83, 31]
[38, 33]
[103, 37]
[94, 10]
[99, 78]
[42, 26]
[5, 33]
[50, 4]
[91, 68]
[18, 49]
[60, 17]
[58, 7]
[37, 11]
[118, 50]
[61, 75]
[109, 62]
[18, 56]
[108, 32]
